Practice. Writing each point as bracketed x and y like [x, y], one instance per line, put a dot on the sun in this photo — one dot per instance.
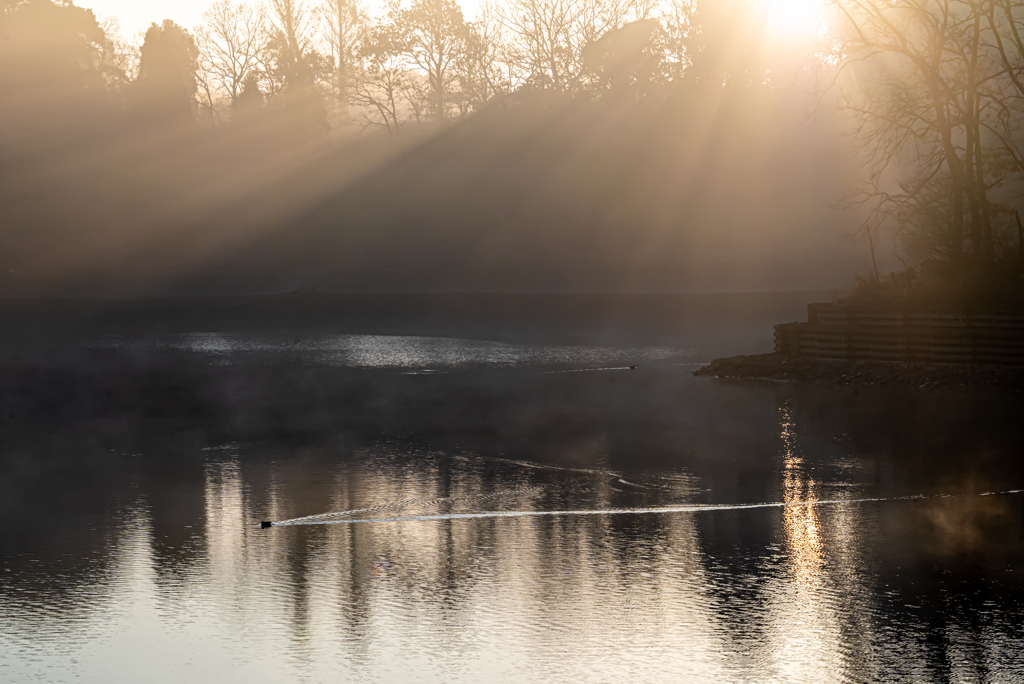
[795, 18]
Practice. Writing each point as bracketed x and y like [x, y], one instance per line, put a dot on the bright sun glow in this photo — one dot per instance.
[795, 18]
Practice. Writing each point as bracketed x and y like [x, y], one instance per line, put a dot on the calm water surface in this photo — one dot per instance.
[463, 511]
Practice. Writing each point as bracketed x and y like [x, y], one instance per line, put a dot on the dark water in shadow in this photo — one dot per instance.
[131, 549]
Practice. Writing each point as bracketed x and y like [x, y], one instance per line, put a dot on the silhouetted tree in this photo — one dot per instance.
[626, 57]
[231, 39]
[291, 70]
[119, 58]
[166, 87]
[432, 35]
[484, 69]
[939, 120]
[249, 100]
[678, 37]
[52, 68]
[548, 36]
[343, 27]
[547, 40]
[383, 87]
[291, 43]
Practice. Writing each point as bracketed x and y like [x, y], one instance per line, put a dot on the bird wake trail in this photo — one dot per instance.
[691, 508]
[343, 516]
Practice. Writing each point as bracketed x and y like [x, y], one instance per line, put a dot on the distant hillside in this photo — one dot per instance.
[685, 190]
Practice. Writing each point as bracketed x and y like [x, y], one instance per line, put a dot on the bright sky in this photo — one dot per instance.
[137, 15]
[793, 17]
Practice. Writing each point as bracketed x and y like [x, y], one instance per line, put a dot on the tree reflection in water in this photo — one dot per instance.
[152, 559]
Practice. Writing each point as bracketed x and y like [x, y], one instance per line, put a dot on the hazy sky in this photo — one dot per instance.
[137, 15]
[786, 16]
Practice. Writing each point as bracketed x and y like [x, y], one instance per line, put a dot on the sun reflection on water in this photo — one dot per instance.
[802, 525]
[808, 640]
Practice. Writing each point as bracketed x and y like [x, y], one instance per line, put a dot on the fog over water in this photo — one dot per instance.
[890, 550]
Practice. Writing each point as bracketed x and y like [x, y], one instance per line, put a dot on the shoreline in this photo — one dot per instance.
[776, 367]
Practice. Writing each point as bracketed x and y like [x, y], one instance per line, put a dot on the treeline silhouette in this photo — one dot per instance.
[935, 91]
[287, 145]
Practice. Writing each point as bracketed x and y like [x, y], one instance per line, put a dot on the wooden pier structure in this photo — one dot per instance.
[839, 332]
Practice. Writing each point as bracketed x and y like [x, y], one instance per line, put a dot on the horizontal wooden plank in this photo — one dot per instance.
[851, 333]
[833, 314]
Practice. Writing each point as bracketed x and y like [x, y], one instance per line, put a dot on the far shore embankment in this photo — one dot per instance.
[777, 367]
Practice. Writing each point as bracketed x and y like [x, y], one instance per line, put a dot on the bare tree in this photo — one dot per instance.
[549, 35]
[119, 58]
[485, 68]
[545, 38]
[343, 27]
[230, 39]
[679, 24]
[935, 104]
[380, 87]
[293, 23]
[432, 36]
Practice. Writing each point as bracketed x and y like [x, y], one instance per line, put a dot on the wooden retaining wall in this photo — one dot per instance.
[847, 333]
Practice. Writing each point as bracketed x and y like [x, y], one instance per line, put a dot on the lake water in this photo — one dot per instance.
[457, 510]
